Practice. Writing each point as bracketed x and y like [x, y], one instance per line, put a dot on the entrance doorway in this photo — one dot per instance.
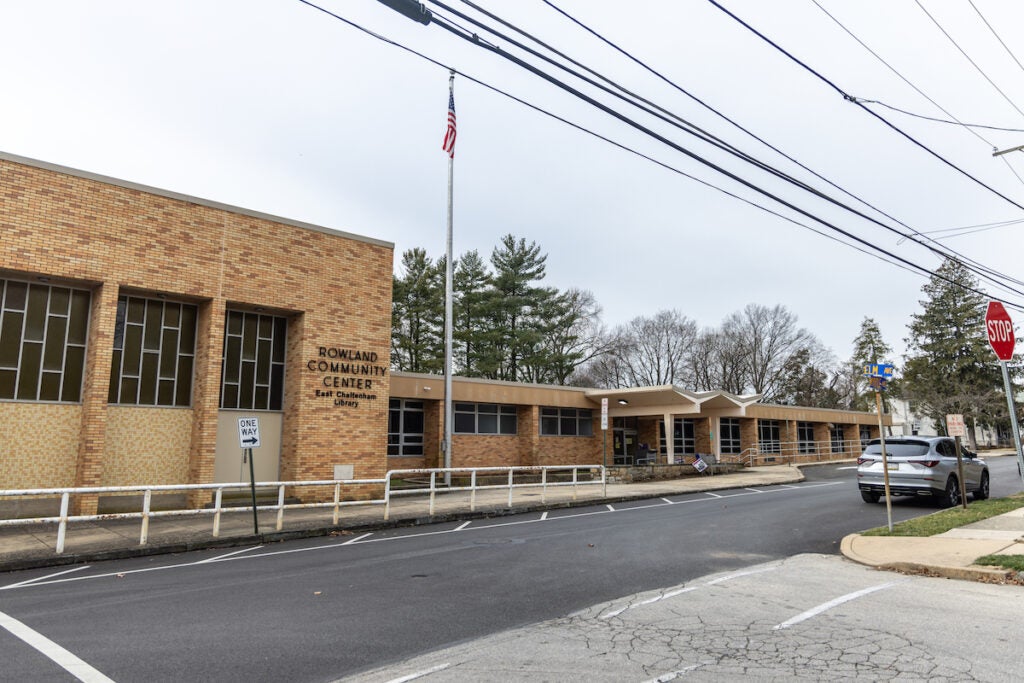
[624, 440]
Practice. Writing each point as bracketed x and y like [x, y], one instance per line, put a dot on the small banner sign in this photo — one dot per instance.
[699, 464]
[955, 425]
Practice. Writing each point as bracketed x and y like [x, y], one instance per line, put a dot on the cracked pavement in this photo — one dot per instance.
[809, 617]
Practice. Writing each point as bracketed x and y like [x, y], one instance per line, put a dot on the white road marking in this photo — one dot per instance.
[851, 467]
[226, 555]
[463, 526]
[356, 539]
[610, 508]
[688, 589]
[668, 501]
[712, 494]
[359, 539]
[815, 611]
[420, 674]
[67, 661]
[673, 675]
[43, 578]
[754, 490]
[788, 486]
[543, 515]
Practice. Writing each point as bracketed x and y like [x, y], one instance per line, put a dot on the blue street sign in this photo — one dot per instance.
[881, 370]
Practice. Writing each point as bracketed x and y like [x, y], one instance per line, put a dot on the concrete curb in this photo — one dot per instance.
[969, 573]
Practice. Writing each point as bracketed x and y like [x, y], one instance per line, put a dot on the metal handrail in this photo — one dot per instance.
[336, 503]
[794, 451]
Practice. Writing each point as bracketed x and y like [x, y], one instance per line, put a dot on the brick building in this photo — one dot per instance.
[137, 325]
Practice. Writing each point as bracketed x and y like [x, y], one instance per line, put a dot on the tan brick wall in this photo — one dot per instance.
[38, 445]
[335, 289]
[146, 446]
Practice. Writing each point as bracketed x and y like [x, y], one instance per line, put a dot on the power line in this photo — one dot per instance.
[983, 271]
[474, 39]
[968, 57]
[936, 119]
[990, 28]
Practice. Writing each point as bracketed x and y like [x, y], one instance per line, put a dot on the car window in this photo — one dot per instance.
[945, 449]
[898, 449]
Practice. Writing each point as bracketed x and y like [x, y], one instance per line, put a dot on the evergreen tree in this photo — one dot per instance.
[949, 367]
[417, 315]
[469, 327]
[869, 348]
[515, 299]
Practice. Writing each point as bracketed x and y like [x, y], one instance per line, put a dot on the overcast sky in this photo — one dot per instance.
[277, 107]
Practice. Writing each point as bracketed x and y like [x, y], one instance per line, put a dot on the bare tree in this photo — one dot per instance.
[767, 338]
[655, 351]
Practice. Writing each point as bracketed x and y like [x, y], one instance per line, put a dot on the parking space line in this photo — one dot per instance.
[463, 525]
[420, 674]
[668, 501]
[356, 539]
[688, 589]
[825, 606]
[226, 555]
[543, 515]
[42, 578]
[715, 495]
[66, 660]
[610, 508]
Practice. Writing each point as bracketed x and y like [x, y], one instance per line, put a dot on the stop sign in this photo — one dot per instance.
[1000, 330]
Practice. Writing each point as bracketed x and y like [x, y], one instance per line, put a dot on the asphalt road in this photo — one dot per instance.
[321, 609]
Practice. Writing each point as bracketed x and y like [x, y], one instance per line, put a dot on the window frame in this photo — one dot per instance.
[773, 443]
[731, 444]
[804, 444]
[48, 368]
[236, 379]
[503, 415]
[557, 421]
[405, 443]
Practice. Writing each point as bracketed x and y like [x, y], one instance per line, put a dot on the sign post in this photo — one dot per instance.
[604, 428]
[878, 375]
[956, 428]
[248, 439]
[999, 328]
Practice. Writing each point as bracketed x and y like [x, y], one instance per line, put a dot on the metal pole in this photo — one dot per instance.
[960, 472]
[885, 460]
[448, 315]
[1013, 420]
[252, 487]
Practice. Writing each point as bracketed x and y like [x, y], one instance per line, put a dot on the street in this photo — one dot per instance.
[321, 609]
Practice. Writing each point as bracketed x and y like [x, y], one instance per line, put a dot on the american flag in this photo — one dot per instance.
[449, 134]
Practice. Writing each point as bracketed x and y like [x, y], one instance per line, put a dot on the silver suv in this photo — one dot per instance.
[920, 466]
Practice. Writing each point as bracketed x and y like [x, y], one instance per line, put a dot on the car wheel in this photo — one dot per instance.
[982, 492]
[951, 496]
[869, 497]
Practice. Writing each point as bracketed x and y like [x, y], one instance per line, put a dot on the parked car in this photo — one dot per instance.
[920, 466]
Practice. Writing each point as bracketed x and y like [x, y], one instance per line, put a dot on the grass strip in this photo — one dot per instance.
[937, 523]
[1014, 562]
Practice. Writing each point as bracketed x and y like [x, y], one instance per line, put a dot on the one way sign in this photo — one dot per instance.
[249, 432]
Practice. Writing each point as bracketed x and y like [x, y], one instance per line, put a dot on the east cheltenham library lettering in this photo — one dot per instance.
[347, 375]
[138, 325]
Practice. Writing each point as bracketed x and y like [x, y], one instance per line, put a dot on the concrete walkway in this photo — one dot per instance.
[951, 554]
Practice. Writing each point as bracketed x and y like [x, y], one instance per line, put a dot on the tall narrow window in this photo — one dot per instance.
[43, 331]
[405, 427]
[252, 377]
[805, 437]
[729, 428]
[768, 436]
[154, 352]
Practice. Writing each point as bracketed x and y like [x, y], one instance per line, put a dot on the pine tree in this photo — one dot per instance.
[868, 348]
[469, 328]
[949, 368]
[515, 298]
[417, 315]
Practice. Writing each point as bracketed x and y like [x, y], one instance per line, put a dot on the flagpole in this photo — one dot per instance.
[448, 308]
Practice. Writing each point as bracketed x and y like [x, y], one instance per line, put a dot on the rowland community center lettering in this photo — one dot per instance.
[346, 369]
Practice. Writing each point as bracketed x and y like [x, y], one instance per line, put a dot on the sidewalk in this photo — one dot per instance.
[950, 554]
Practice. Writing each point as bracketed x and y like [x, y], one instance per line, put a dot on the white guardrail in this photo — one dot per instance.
[217, 509]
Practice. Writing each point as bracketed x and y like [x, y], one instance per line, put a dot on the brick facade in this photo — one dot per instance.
[114, 237]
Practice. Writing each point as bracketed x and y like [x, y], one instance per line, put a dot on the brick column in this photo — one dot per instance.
[433, 432]
[748, 433]
[206, 398]
[822, 438]
[95, 388]
[702, 432]
[528, 428]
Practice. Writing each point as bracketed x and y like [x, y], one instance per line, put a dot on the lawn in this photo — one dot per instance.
[936, 523]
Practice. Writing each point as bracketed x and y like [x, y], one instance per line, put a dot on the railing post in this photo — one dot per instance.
[216, 512]
[280, 507]
[472, 491]
[337, 503]
[433, 489]
[575, 471]
[63, 526]
[604, 481]
[544, 484]
[510, 473]
[146, 500]
[387, 496]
